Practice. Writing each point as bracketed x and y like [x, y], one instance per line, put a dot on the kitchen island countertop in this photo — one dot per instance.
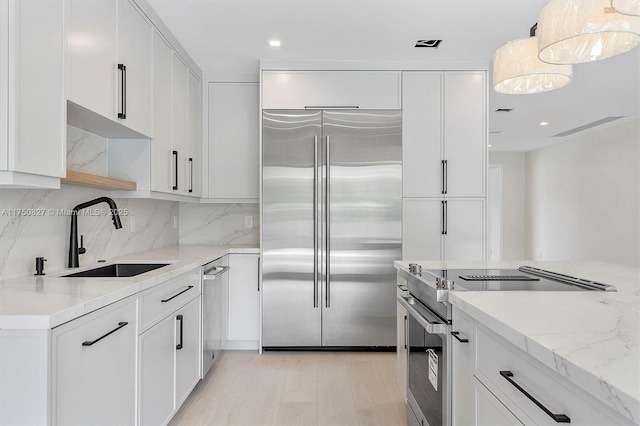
[45, 302]
[590, 338]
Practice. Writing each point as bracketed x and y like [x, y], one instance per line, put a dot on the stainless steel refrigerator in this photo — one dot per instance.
[331, 227]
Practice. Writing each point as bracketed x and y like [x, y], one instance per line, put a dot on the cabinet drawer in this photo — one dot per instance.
[160, 302]
[495, 355]
[326, 89]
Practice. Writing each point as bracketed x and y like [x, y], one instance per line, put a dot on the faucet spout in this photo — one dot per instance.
[74, 260]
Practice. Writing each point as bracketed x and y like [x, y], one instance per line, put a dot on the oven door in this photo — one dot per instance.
[429, 365]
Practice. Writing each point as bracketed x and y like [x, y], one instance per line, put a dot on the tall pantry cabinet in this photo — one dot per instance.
[444, 165]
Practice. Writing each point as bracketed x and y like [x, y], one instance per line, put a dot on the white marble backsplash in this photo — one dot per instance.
[86, 152]
[34, 223]
[221, 224]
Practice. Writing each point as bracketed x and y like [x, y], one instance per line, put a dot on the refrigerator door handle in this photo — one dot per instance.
[328, 227]
[315, 221]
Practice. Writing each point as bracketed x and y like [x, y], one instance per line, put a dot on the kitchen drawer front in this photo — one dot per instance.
[160, 302]
[331, 89]
[559, 396]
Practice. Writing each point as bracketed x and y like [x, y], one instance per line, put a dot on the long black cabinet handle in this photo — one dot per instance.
[406, 335]
[446, 218]
[191, 166]
[123, 92]
[456, 334]
[442, 231]
[443, 176]
[91, 342]
[180, 318]
[446, 176]
[175, 159]
[176, 295]
[559, 418]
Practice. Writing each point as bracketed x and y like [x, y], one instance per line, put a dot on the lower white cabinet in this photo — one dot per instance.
[496, 383]
[401, 339]
[438, 229]
[244, 301]
[170, 354]
[94, 367]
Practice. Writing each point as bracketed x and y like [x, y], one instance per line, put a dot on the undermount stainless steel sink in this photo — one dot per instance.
[117, 270]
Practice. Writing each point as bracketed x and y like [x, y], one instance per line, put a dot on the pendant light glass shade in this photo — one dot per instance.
[577, 31]
[627, 7]
[518, 71]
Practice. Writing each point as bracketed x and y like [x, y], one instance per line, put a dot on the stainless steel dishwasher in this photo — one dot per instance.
[215, 311]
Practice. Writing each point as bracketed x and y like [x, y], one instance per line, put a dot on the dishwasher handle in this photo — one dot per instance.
[215, 272]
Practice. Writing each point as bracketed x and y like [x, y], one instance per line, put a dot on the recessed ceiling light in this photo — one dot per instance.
[275, 43]
[489, 146]
[543, 123]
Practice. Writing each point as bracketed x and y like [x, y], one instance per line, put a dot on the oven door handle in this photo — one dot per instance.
[430, 322]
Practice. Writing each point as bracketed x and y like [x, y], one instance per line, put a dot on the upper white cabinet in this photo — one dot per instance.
[444, 134]
[32, 93]
[331, 89]
[110, 45]
[234, 123]
[180, 122]
[162, 172]
[135, 35]
[194, 136]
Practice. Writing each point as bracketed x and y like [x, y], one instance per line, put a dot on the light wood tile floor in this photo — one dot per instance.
[297, 388]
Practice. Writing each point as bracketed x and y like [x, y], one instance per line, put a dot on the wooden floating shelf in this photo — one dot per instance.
[87, 179]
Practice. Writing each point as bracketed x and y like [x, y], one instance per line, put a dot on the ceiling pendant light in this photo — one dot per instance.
[518, 71]
[577, 31]
[627, 7]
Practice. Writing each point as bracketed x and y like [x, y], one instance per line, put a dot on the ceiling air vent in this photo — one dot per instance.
[428, 43]
[588, 126]
[504, 110]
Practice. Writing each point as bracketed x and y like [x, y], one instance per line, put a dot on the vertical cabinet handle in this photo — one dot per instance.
[258, 273]
[446, 176]
[175, 169]
[91, 342]
[446, 218]
[406, 335]
[559, 418]
[443, 218]
[180, 318]
[123, 91]
[443, 177]
[191, 174]
[328, 226]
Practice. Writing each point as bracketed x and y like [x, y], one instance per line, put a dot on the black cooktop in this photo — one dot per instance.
[524, 278]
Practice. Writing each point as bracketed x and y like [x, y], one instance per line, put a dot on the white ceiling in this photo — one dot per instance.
[229, 37]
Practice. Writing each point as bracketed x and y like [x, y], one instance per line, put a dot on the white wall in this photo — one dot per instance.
[513, 198]
[582, 197]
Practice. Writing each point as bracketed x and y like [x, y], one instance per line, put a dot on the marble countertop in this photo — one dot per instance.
[46, 302]
[590, 338]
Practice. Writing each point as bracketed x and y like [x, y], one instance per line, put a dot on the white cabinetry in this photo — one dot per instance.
[180, 122]
[401, 339]
[244, 302]
[463, 354]
[94, 367]
[327, 89]
[110, 62]
[496, 383]
[135, 47]
[234, 141]
[32, 93]
[194, 135]
[444, 165]
[439, 229]
[170, 347]
[162, 170]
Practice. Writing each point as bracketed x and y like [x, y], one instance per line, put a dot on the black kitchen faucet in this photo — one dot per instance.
[74, 251]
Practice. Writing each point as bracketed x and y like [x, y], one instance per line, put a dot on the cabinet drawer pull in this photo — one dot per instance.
[176, 295]
[123, 92]
[456, 334]
[179, 345]
[91, 342]
[191, 174]
[559, 418]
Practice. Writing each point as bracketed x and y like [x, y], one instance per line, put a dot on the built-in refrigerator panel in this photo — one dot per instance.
[291, 311]
[363, 159]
